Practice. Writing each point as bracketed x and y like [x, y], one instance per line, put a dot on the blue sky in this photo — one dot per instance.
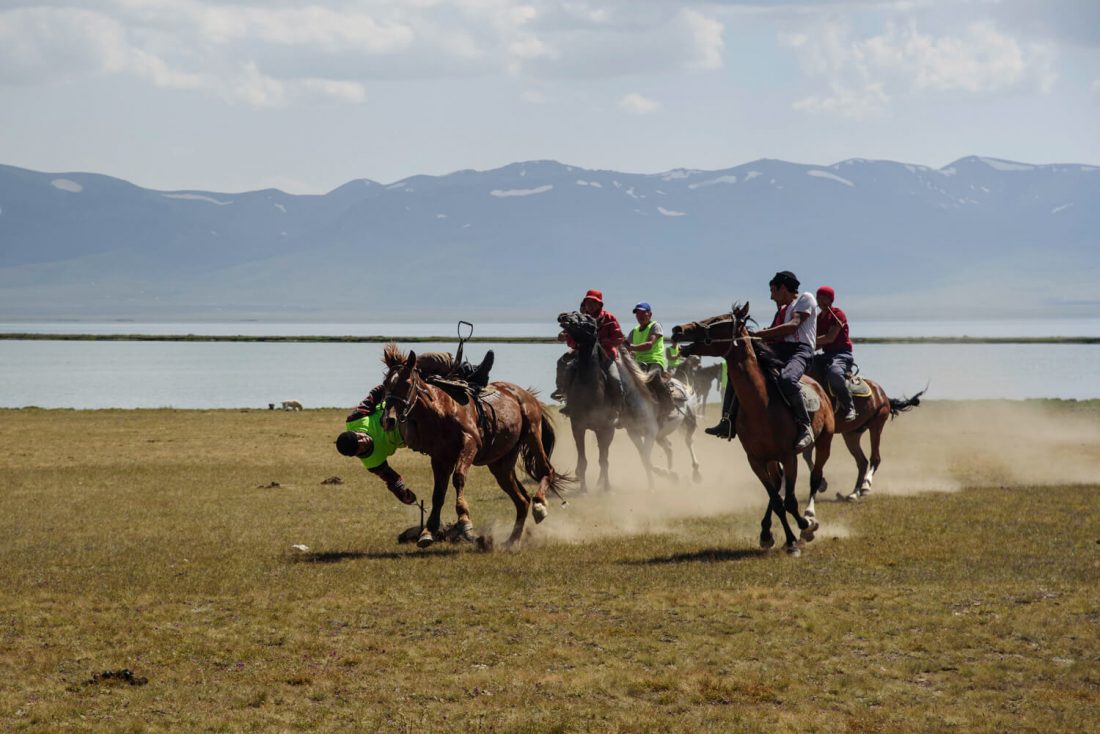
[176, 94]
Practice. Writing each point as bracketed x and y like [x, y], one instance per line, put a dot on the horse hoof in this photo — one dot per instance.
[766, 541]
[538, 511]
[793, 550]
[466, 532]
[846, 497]
[809, 514]
[807, 533]
[424, 540]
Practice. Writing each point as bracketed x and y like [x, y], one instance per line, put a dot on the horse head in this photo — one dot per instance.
[715, 336]
[579, 326]
[402, 385]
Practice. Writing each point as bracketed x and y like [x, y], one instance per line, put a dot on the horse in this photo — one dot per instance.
[650, 420]
[765, 426]
[586, 396]
[692, 372]
[872, 412]
[494, 429]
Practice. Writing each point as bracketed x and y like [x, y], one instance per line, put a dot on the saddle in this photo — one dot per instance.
[462, 392]
[810, 398]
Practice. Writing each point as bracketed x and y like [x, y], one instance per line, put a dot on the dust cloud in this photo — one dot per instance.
[939, 446]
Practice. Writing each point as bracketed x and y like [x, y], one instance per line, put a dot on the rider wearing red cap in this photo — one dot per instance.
[836, 347]
[609, 334]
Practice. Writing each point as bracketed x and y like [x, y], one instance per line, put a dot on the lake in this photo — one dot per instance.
[89, 374]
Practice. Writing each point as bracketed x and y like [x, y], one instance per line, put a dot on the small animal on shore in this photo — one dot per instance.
[291, 405]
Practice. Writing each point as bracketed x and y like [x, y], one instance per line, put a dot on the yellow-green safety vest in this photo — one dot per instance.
[656, 352]
[674, 358]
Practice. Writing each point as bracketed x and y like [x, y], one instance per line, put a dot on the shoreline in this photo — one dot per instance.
[382, 339]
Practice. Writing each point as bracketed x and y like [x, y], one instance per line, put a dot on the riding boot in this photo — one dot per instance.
[480, 376]
[726, 427]
[805, 437]
[846, 409]
[562, 377]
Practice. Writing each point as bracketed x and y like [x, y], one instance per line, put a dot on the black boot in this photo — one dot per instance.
[480, 376]
[726, 428]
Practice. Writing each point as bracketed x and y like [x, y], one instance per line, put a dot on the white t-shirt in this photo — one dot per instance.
[805, 304]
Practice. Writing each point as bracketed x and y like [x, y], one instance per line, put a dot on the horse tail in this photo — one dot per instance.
[536, 457]
[900, 406]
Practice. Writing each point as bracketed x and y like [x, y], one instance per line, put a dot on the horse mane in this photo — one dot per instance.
[636, 372]
[392, 356]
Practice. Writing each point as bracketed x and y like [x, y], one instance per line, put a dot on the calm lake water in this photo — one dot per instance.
[56, 374]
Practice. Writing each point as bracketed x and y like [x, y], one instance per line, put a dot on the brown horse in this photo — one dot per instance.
[872, 412]
[493, 429]
[765, 426]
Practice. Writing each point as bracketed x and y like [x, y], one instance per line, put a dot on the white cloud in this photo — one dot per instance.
[864, 74]
[272, 53]
[636, 104]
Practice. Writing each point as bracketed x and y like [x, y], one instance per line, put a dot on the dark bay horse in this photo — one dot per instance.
[872, 413]
[509, 425]
[586, 395]
[765, 425]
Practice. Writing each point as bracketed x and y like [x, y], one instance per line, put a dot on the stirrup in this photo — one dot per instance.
[724, 429]
[805, 438]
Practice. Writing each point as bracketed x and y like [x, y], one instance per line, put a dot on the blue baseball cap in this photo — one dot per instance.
[643, 306]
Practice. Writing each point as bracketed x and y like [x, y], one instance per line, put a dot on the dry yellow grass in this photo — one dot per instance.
[153, 541]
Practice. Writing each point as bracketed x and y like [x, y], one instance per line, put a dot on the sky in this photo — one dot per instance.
[235, 95]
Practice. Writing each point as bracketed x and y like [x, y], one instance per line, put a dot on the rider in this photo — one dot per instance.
[365, 438]
[647, 340]
[794, 341]
[836, 347]
[610, 336]
[793, 333]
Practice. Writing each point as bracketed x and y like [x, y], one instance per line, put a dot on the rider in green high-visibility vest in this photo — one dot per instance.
[647, 340]
[675, 358]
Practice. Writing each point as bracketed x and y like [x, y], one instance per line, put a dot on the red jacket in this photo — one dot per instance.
[609, 334]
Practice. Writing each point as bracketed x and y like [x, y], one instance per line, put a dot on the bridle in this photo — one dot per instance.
[735, 325]
[409, 400]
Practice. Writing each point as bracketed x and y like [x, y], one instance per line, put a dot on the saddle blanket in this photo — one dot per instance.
[810, 398]
[858, 387]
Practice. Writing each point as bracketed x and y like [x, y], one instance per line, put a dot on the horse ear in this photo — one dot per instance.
[410, 361]
[743, 311]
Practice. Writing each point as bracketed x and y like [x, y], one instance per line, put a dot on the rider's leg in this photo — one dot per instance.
[727, 425]
[834, 375]
[562, 376]
[789, 385]
[479, 376]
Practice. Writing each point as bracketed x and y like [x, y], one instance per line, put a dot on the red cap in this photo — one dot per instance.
[593, 295]
[826, 291]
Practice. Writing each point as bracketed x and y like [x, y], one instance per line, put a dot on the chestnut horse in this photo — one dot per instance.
[872, 413]
[765, 426]
[457, 434]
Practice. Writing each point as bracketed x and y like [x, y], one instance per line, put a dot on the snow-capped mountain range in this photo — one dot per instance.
[980, 237]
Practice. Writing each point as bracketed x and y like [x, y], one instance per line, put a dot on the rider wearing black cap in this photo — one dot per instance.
[793, 335]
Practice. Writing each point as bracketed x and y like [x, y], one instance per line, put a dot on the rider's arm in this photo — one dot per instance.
[776, 333]
[394, 482]
[830, 337]
[644, 345]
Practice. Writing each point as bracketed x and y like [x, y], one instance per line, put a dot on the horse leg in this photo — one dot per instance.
[690, 424]
[644, 444]
[876, 427]
[441, 470]
[603, 441]
[770, 474]
[822, 448]
[458, 478]
[852, 441]
[582, 458]
[666, 446]
[504, 471]
[807, 526]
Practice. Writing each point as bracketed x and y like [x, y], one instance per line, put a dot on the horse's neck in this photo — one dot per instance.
[748, 381]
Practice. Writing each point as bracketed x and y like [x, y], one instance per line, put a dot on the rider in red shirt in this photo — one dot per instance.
[609, 334]
[836, 347]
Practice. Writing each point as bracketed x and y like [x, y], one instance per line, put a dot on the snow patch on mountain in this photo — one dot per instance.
[711, 182]
[197, 197]
[66, 185]
[671, 212]
[830, 176]
[521, 192]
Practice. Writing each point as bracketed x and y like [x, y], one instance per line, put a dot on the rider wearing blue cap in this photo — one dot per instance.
[647, 340]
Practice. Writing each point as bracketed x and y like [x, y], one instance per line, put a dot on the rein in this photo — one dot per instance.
[409, 401]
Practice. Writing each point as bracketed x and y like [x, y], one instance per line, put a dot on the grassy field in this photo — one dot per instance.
[963, 595]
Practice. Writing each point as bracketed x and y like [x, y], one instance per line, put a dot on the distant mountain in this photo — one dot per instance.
[981, 237]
